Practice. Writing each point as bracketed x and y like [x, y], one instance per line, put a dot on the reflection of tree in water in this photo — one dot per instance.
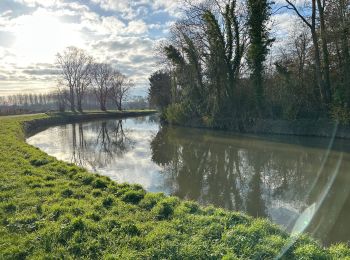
[112, 141]
[203, 172]
[255, 203]
[78, 144]
[154, 118]
[272, 179]
[238, 174]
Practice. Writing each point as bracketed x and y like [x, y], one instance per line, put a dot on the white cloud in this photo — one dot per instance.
[298, 3]
[137, 27]
[120, 5]
[33, 3]
[133, 9]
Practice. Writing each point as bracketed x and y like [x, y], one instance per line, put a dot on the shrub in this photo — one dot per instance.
[310, 251]
[86, 180]
[107, 202]
[131, 229]
[176, 114]
[56, 212]
[111, 224]
[27, 172]
[67, 193]
[94, 216]
[150, 200]
[10, 208]
[96, 193]
[100, 184]
[133, 196]
[165, 208]
[340, 251]
[341, 114]
[187, 207]
[67, 232]
[39, 162]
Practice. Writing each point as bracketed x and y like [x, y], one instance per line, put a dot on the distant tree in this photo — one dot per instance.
[75, 71]
[120, 86]
[259, 12]
[102, 74]
[138, 102]
[159, 92]
[61, 100]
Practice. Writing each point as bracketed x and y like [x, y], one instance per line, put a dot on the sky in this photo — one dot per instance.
[121, 32]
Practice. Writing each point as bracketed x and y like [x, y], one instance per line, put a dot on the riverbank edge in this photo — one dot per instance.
[299, 127]
[34, 126]
[232, 233]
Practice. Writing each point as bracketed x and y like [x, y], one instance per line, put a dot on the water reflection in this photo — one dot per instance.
[110, 141]
[274, 177]
[271, 179]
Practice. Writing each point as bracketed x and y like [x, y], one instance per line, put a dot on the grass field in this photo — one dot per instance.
[54, 210]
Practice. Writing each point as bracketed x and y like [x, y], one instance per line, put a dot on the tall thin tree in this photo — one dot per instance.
[259, 12]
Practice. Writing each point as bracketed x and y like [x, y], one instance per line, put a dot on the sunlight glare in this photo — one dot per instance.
[41, 35]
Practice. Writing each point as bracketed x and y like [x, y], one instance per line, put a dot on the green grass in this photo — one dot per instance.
[54, 210]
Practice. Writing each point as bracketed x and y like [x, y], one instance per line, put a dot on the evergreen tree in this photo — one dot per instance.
[159, 93]
[259, 12]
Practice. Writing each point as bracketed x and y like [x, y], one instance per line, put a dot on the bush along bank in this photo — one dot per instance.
[52, 209]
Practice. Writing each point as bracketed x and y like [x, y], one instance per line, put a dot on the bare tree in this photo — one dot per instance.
[317, 8]
[119, 88]
[102, 74]
[75, 65]
[83, 78]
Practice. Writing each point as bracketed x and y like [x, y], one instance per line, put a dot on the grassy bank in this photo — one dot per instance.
[51, 209]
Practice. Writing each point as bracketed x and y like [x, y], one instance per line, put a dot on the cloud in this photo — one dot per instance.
[137, 27]
[7, 38]
[133, 9]
[298, 3]
[41, 72]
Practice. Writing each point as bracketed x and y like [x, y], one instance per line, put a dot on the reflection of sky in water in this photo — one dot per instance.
[263, 177]
[136, 166]
[133, 166]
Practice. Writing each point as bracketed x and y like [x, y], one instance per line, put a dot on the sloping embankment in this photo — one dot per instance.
[50, 209]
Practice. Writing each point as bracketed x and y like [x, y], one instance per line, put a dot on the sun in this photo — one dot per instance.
[41, 35]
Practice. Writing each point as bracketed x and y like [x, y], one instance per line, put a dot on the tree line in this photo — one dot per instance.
[30, 99]
[219, 70]
[80, 74]
[28, 103]
[43, 102]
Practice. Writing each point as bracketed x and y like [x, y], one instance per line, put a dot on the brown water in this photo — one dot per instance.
[297, 182]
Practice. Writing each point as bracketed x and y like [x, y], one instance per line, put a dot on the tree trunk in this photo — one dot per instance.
[318, 65]
[71, 99]
[102, 103]
[103, 107]
[327, 82]
[318, 71]
[79, 104]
